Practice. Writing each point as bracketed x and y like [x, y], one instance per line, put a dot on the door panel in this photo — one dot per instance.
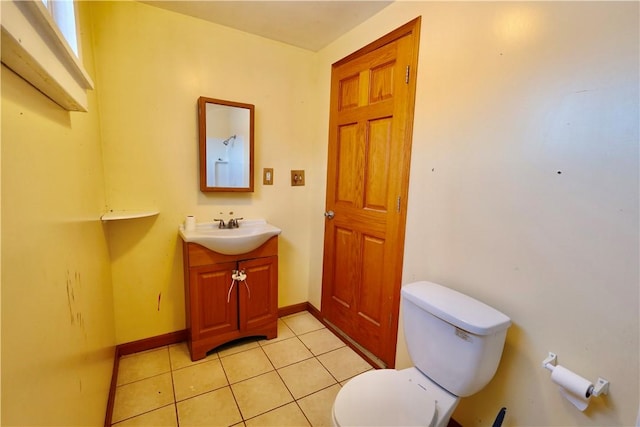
[377, 165]
[369, 302]
[259, 295]
[381, 82]
[218, 313]
[349, 159]
[349, 92]
[344, 260]
[367, 179]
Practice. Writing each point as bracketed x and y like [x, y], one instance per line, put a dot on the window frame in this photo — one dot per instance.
[34, 48]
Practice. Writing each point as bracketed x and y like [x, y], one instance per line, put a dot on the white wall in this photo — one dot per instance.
[524, 189]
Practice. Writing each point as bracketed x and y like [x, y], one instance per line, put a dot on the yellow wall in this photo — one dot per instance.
[58, 333]
[152, 67]
[508, 94]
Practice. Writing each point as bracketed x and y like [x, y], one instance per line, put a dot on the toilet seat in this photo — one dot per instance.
[385, 397]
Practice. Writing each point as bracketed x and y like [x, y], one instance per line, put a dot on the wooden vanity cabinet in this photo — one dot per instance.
[218, 312]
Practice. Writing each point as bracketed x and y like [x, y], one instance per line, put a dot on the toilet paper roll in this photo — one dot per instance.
[573, 387]
[190, 222]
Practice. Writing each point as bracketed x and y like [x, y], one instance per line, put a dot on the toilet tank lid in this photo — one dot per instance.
[456, 308]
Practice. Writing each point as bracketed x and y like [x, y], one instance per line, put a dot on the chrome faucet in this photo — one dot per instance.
[233, 223]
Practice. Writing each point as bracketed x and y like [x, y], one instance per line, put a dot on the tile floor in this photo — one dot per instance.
[291, 380]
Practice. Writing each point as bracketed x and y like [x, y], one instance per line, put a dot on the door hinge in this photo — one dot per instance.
[398, 204]
[406, 75]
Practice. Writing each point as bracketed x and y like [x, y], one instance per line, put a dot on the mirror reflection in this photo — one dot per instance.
[226, 145]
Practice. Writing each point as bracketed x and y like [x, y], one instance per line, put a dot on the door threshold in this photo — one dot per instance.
[373, 359]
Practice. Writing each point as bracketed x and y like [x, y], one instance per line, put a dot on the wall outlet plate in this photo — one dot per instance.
[267, 176]
[297, 178]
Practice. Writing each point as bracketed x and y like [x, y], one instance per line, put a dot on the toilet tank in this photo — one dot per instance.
[453, 339]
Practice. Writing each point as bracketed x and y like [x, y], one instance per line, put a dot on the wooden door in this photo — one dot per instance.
[370, 127]
[213, 303]
[258, 297]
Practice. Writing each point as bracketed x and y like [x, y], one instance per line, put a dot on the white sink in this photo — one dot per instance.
[248, 236]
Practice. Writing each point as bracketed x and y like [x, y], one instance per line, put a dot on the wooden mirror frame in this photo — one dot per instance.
[202, 129]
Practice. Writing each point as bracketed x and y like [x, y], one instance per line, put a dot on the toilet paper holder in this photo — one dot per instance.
[601, 386]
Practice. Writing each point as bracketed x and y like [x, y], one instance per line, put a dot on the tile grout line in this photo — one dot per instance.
[143, 379]
[235, 399]
[244, 420]
[285, 383]
[314, 356]
[173, 387]
[140, 414]
[295, 400]
[262, 344]
[279, 376]
[276, 370]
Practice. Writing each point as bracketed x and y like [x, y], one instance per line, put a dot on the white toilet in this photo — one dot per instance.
[455, 343]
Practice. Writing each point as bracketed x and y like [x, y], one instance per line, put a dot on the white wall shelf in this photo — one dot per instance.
[118, 215]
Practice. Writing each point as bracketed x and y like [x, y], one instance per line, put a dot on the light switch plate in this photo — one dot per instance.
[267, 176]
[297, 178]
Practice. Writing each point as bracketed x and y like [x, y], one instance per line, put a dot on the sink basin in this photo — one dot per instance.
[231, 241]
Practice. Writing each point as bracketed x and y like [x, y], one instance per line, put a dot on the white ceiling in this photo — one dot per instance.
[310, 25]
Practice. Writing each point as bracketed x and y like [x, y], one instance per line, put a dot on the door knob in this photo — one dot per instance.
[329, 214]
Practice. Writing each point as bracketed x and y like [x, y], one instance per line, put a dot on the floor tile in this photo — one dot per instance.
[216, 408]
[318, 406]
[142, 396]
[344, 363]
[283, 333]
[289, 415]
[301, 323]
[163, 417]
[321, 341]
[291, 380]
[247, 364]
[286, 352]
[306, 377]
[198, 379]
[180, 357]
[260, 394]
[134, 367]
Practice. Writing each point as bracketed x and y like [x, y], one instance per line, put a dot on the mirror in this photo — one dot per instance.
[226, 145]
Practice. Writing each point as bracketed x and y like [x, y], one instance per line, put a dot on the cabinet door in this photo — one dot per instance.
[259, 297]
[214, 302]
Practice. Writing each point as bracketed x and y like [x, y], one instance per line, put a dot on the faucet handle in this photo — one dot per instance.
[220, 222]
[233, 222]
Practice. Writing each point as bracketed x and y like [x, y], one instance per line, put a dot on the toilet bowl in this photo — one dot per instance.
[388, 397]
[455, 343]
